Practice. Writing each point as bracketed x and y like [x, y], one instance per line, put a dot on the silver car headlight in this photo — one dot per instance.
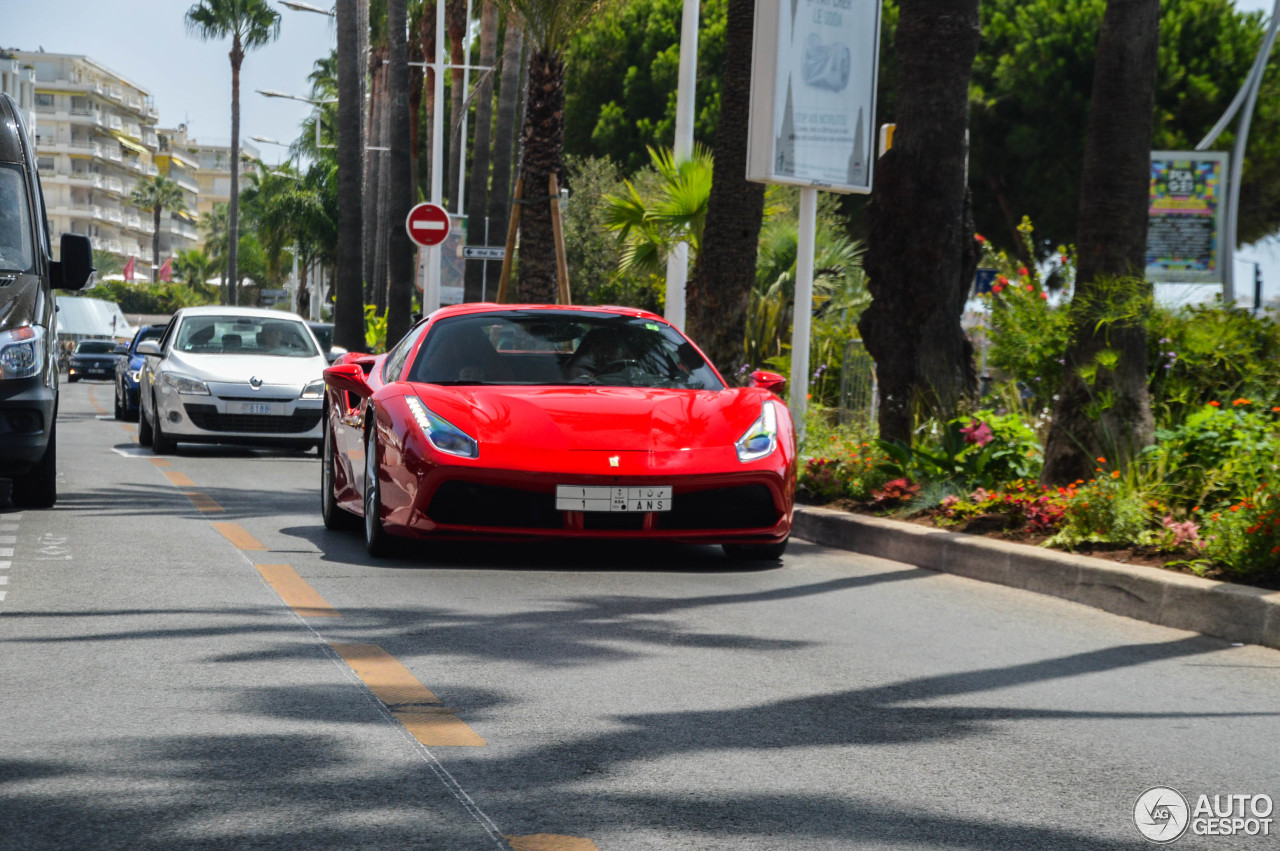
[21, 352]
[441, 433]
[185, 384]
[314, 390]
[761, 439]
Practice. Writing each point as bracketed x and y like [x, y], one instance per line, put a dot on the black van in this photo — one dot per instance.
[28, 317]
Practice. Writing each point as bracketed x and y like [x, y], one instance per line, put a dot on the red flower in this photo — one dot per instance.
[1215, 404]
[979, 237]
[1022, 270]
[1044, 296]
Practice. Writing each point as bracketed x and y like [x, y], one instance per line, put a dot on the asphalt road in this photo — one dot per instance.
[189, 660]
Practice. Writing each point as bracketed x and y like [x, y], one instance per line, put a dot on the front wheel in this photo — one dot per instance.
[39, 487]
[161, 444]
[376, 539]
[144, 426]
[119, 410]
[756, 552]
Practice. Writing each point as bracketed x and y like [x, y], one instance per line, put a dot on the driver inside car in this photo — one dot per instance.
[603, 351]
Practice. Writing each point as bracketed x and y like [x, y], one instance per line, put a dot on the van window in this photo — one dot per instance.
[16, 251]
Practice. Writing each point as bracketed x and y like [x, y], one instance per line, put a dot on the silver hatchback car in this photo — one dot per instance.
[232, 375]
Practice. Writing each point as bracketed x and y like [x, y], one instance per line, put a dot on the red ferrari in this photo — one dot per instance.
[539, 422]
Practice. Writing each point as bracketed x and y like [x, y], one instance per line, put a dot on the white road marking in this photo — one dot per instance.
[8, 527]
[133, 451]
[4, 565]
[8, 539]
[4, 580]
[6, 552]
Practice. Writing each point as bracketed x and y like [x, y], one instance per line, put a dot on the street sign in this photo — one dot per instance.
[478, 252]
[273, 293]
[427, 224]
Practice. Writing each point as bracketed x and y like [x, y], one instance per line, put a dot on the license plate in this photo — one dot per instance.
[258, 408]
[603, 498]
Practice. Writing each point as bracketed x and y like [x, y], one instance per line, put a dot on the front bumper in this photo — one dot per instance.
[27, 410]
[91, 369]
[258, 420]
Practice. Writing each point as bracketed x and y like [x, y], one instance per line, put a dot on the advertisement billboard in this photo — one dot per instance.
[813, 91]
[1185, 216]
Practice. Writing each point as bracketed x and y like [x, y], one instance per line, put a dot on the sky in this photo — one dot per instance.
[146, 42]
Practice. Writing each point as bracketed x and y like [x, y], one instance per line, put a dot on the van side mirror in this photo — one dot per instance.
[75, 270]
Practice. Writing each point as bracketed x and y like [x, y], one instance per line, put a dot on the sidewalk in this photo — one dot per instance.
[1234, 612]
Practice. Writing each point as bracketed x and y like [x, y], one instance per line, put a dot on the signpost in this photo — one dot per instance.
[813, 104]
[478, 252]
[427, 224]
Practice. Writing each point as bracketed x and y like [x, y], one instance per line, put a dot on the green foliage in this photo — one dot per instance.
[1029, 331]
[1110, 509]
[673, 209]
[981, 451]
[1209, 353]
[375, 329]
[838, 461]
[1030, 93]
[621, 79]
[1245, 537]
[151, 298]
[1216, 454]
[594, 254]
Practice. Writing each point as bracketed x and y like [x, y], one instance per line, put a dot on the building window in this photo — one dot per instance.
[44, 101]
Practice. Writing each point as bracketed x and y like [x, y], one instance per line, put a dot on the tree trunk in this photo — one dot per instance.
[378, 285]
[427, 34]
[921, 253]
[720, 290]
[374, 138]
[1110, 416]
[543, 139]
[348, 312]
[478, 195]
[505, 127]
[417, 76]
[304, 293]
[456, 25]
[233, 211]
[400, 262]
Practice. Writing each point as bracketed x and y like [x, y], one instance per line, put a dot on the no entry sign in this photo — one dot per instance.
[427, 224]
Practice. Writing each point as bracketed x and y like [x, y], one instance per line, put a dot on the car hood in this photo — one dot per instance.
[238, 369]
[598, 418]
[19, 302]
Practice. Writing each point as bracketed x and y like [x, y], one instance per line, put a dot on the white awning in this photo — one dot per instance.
[92, 317]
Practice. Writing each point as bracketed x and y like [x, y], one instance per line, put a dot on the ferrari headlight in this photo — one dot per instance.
[185, 384]
[313, 391]
[442, 434]
[21, 352]
[762, 438]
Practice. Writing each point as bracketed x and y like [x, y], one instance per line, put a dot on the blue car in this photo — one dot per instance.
[127, 368]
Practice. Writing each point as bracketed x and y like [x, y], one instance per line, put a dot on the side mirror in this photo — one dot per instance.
[150, 348]
[348, 377]
[771, 381]
[75, 270]
[121, 349]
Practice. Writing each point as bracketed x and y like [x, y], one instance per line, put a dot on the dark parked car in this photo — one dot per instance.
[127, 369]
[324, 336]
[93, 359]
[28, 319]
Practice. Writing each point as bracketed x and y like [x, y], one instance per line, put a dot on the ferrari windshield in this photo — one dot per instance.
[245, 335]
[547, 347]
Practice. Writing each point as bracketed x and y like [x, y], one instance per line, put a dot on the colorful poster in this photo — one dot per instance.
[813, 93]
[1185, 217]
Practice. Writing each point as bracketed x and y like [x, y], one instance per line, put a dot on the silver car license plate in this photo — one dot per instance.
[603, 498]
[257, 408]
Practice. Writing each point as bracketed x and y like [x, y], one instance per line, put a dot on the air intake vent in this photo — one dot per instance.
[6, 280]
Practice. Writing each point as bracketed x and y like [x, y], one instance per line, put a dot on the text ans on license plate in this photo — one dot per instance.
[598, 498]
[259, 408]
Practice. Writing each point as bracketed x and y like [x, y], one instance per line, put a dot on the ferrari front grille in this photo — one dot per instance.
[460, 503]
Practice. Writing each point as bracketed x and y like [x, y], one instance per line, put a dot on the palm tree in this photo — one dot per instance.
[456, 26]
[505, 128]
[478, 194]
[549, 24]
[719, 290]
[921, 253]
[1112, 243]
[348, 309]
[652, 223]
[157, 194]
[401, 193]
[249, 24]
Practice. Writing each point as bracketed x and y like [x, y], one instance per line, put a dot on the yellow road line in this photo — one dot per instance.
[295, 591]
[550, 842]
[182, 480]
[202, 501]
[413, 704]
[238, 536]
[160, 462]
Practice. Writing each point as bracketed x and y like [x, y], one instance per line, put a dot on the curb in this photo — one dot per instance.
[1226, 610]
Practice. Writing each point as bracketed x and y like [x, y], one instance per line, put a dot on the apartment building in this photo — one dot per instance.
[95, 137]
[19, 80]
[213, 165]
[179, 230]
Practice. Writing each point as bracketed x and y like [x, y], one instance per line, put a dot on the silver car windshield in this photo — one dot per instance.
[16, 251]
[241, 335]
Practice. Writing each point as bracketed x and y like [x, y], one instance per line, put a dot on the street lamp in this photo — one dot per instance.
[306, 7]
[272, 93]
